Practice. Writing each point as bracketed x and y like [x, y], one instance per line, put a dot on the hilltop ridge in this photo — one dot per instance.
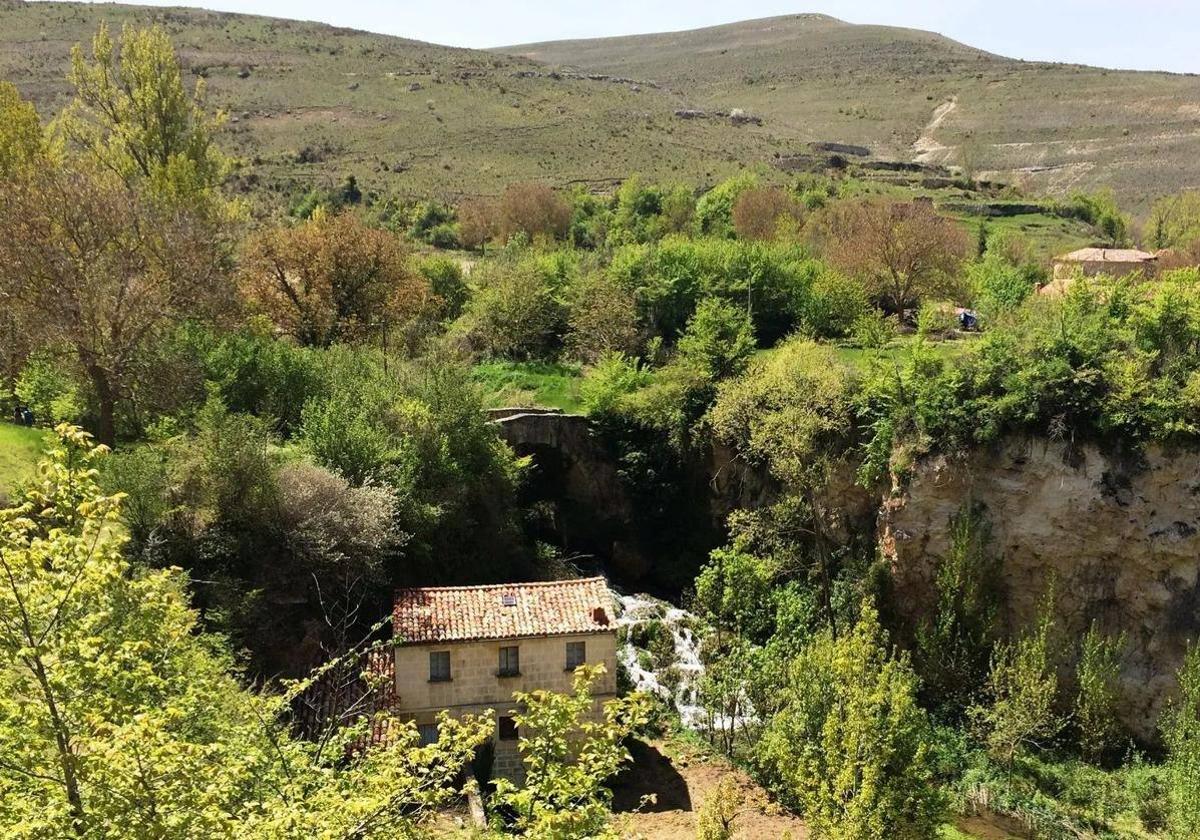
[310, 104]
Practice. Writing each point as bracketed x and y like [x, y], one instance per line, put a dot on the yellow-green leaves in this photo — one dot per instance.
[570, 748]
[133, 115]
[119, 719]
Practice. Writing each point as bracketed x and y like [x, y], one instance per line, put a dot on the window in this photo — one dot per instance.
[428, 733]
[576, 654]
[439, 666]
[510, 662]
[508, 729]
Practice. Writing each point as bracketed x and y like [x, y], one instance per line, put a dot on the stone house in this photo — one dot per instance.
[1113, 262]
[467, 649]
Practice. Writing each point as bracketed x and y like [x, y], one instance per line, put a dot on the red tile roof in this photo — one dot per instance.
[503, 611]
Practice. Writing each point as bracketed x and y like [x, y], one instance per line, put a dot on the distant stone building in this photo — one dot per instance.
[467, 649]
[1093, 262]
[1114, 262]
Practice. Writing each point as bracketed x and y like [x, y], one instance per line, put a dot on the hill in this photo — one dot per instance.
[310, 104]
[910, 94]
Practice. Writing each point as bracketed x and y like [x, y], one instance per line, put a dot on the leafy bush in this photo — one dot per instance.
[1181, 733]
[445, 276]
[1023, 692]
[516, 311]
[718, 339]
[770, 280]
[719, 810]
[833, 305]
[612, 377]
[49, 390]
[714, 210]
[603, 318]
[955, 646]
[648, 212]
[998, 286]
[849, 745]
[1098, 675]
[434, 222]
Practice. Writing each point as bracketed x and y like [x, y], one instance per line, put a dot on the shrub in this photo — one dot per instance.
[954, 648]
[515, 312]
[647, 212]
[848, 746]
[936, 318]
[1181, 734]
[1099, 209]
[478, 222]
[999, 286]
[1023, 692]
[714, 210]
[603, 319]
[445, 276]
[434, 222]
[832, 307]
[1098, 675]
[873, 330]
[718, 339]
[612, 377]
[534, 210]
[765, 213]
[50, 392]
[668, 280]
[720, 809]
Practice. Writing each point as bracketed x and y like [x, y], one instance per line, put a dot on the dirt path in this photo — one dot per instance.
[927, 148]
[680, 781]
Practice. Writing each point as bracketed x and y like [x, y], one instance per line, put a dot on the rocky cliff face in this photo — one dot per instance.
[1119, 535]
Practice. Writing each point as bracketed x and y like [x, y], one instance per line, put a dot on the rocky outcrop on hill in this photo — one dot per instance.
[1120, 535]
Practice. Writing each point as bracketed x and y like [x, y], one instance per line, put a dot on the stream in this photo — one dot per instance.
[659, 647]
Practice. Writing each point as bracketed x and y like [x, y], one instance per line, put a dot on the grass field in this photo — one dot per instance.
[541, 384]
[20, 448]
[309, 104]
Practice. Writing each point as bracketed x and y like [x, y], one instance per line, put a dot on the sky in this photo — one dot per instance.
[1127, 34]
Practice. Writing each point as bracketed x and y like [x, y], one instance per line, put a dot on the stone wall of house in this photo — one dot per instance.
[474, 686]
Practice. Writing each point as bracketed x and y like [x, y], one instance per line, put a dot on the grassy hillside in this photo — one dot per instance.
[310, 104]
[912, 94]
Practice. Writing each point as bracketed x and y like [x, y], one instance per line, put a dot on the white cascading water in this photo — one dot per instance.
[642, 609]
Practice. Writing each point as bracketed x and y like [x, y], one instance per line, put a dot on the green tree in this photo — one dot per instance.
[714, 210]
[954, 646]
[1181, 733]
[133, 116]
[1098, 674]
[1175, 220]
[1023, 691]
[117, 718]
[22, 141]
[568, 754]
[849, 746]
[719, 339]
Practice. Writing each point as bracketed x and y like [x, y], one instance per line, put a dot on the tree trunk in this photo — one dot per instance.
[106, 427]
